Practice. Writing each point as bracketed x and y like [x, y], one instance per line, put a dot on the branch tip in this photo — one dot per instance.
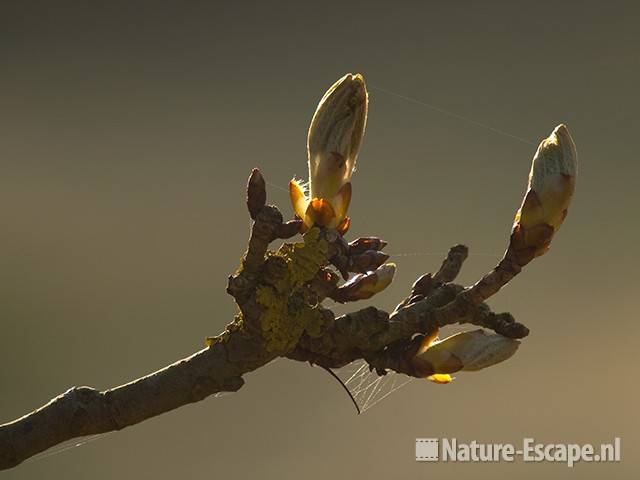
[256, 193]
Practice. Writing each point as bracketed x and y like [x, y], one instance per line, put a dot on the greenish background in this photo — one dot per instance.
[127, 132]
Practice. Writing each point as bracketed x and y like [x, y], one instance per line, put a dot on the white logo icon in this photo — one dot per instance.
[426, 449]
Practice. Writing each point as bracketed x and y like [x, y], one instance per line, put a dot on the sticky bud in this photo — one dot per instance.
[288, 229]
[366, 285]
[362, 244]
[333, 143]
[369, 260]
[256, 193]
[466, 351]
[423, 285]
[545, 205]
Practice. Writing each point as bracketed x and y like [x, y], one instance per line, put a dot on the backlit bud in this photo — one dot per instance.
[369, 260]
[366, 285]
[465, 351]
[362, 244]
[333, 143]
[256, 193]
[288, 229]
[423, 285]
[551, 185]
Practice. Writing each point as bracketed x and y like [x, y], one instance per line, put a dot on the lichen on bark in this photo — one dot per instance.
[286, 311]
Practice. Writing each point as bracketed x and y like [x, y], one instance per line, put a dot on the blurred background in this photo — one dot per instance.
[127, 132]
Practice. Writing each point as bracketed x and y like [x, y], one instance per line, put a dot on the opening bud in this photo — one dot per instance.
[466, 351]
[551, 184]
[333, 143]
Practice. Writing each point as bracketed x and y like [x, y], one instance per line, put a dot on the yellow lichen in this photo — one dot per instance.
[315, 323]
[283, 318]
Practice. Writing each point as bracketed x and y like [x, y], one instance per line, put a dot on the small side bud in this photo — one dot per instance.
[369, 260]
[366, 285]
[423, 285]
[362, 244]
[289, 229]
[256, 193]
[466, 351]
[545, 205]
[325, 283]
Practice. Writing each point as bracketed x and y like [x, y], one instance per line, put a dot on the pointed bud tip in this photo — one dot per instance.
[561, 129]
[356, 79]
[389, 267]
[351, 85]
[256, 193]
[385, 274]
[256, 177]
[567, 156]
[551, 185]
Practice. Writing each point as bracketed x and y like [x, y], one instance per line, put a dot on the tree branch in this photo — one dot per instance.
[371, 334]
[84, 411]
[279, 295]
